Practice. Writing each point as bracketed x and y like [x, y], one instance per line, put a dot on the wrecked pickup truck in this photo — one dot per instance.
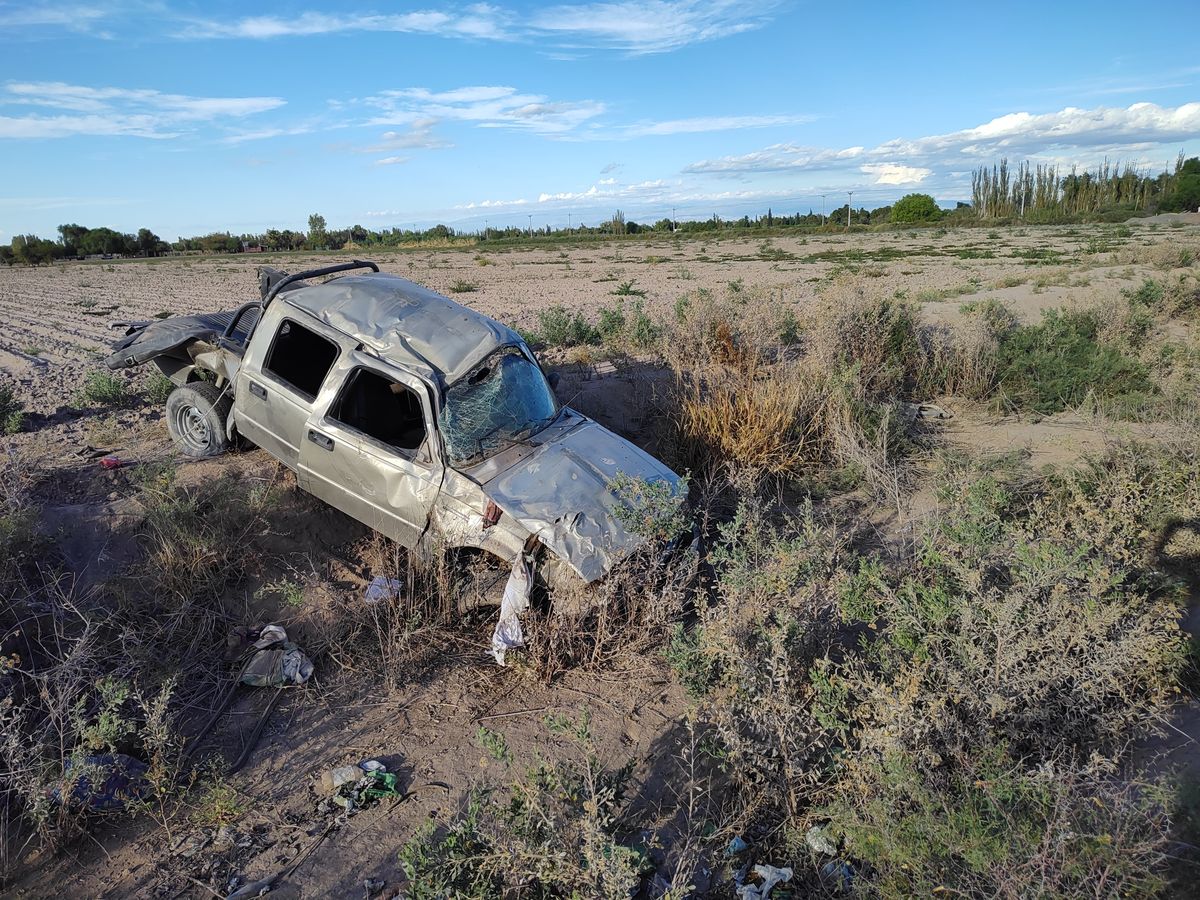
[425, 420]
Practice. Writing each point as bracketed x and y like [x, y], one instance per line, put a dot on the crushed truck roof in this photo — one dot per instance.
[403, 322]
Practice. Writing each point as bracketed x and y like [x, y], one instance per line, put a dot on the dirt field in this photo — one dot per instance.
[57, 331]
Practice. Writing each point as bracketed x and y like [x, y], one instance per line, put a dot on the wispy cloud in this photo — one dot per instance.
[391, 160]
[651, 26]
[652, 193]
[72, 17]
[656, 26]
[1069, 133]
[485, 106]
[700, 124]
[83, 110]
[478, 21]
[418, 136]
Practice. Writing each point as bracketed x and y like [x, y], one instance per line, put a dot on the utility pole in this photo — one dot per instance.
[568, 223]
[674, 224]
[531, 226]
[485, 230]
[822, 209]
[849, 209]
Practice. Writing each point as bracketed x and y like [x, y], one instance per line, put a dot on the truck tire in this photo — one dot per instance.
[197, 415]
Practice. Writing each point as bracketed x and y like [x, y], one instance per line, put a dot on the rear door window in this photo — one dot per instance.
[300, 358]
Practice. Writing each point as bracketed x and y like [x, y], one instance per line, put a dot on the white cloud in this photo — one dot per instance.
[419, 136]
[391, 160]
[890, 173]
[657, 193]
[488, 106]
[71, 17]
[649, 26]
[654, 26]
[701, 124]
[776, 158]
[1071, 134]
[107, 111]
[479, 21]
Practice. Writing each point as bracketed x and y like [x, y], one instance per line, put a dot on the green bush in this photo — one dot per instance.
[1053, 366]
[12, 411]
[559, 328]
[983, 825]
[103, 389]
[158, 388]
[551, 833]
[1005, 667]
[916, 208]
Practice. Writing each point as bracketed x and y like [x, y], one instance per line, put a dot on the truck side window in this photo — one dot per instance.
[300, 357]
[382, 409]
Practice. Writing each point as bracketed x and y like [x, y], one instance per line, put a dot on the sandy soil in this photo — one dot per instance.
[57, 330]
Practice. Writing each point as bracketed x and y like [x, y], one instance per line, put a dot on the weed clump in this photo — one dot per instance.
[12, 411]
[555, 831]
[103, 389]
[559, 328]
[1055, 364]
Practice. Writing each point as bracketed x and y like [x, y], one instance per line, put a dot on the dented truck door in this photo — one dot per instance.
[286, 365]
[370, 448]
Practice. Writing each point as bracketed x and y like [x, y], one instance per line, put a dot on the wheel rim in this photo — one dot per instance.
[192, 427]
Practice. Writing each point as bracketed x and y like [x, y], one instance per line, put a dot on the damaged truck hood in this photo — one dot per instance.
[561, 493]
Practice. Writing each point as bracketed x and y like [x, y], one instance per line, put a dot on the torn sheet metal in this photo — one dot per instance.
[508, 633]
[561, 493]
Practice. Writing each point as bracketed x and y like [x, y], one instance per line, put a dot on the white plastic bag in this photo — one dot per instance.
[508, 632]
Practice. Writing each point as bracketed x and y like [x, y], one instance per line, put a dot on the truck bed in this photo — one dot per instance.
[163, 338]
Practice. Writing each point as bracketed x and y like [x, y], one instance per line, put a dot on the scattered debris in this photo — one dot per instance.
[839, 872]
[356, 787]
[736, 845]
[508, 633]
[770, 876]
[278, 663]
[112, 462]
[383, 588]
[925, 411]
[821, 841]
[104, 782]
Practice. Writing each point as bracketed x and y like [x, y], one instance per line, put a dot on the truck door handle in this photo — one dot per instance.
[258, 391]
[323, 441]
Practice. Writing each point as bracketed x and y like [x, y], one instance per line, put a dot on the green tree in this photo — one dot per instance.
[916, 208]
[72, 237]
[6, 255]
[316, 231]
[147, 242]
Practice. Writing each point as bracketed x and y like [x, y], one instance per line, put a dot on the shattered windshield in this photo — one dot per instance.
[503, 400]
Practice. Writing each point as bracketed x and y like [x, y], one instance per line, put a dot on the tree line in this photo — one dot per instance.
[1045, 193]
[1037, 193]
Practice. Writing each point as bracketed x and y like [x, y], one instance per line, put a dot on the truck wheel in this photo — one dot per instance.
[197, 414]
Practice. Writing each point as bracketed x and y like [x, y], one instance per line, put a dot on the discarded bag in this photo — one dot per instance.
[770, 876]
[508, 633]
[278, 662]
[104, 782]
[383, 588]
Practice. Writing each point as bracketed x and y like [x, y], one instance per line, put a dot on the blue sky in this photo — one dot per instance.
[189, 117]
